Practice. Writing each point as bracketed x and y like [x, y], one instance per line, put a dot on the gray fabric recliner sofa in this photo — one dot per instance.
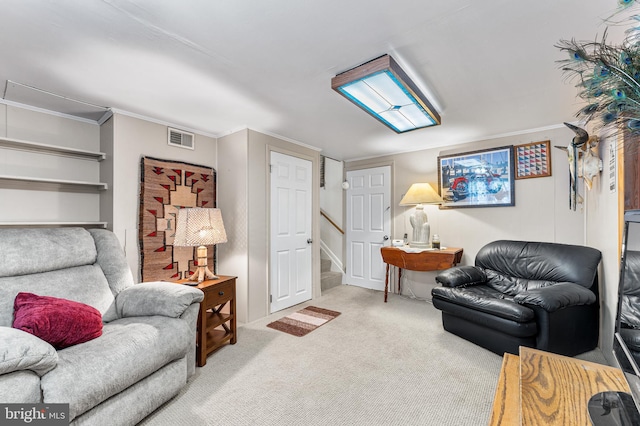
[146, 351]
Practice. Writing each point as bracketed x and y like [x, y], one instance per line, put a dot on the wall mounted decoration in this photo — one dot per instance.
[584, 162]
[607, 78]
[482, 178]
[166, 187]
[533, 160]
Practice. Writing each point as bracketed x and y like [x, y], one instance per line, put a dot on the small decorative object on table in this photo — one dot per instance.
[435, 242]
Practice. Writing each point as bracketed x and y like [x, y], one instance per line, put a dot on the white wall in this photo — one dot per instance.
[133, 139]
[233, 256]
[541, 211]
[243, 188]
[54, 129]
[603, 233]
[331, 201]
[260, 148]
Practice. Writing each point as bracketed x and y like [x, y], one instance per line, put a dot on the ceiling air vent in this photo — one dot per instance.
[180, 138]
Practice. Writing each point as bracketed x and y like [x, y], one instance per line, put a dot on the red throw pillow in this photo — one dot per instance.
[59, 322]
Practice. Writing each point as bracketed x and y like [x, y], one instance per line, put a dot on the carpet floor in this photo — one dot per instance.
[375, 364]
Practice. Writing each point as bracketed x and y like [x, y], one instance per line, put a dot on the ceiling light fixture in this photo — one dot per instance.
[383, 89]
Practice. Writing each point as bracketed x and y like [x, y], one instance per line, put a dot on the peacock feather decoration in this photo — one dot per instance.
[608, 77]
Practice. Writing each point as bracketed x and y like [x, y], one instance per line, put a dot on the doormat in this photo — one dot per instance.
[304, 321]
[165, 188]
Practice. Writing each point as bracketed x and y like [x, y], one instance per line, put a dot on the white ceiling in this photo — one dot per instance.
[218, 66]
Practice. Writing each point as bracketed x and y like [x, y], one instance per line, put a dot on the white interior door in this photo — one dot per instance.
[368, 225]
[290, 254]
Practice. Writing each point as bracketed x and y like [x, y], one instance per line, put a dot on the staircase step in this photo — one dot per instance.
[325, 265]
[330, 279]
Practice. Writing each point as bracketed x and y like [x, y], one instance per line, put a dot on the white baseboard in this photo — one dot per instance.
[331, 255]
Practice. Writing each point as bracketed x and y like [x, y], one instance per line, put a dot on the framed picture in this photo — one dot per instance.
[477, 179]
[533, 160]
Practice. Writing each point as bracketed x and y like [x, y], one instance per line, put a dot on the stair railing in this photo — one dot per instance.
[335, 225]
[325, 248]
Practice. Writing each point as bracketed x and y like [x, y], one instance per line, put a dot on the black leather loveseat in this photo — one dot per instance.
[630, 304]
[540, 295]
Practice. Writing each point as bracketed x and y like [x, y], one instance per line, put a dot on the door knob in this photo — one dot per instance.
[386, 237]
[309, 240]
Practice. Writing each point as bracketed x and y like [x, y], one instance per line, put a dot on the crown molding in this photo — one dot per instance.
[163, 123]
[484, 138]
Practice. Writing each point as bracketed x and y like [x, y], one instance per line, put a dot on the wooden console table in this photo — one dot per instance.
[427, 260]
[541, 388]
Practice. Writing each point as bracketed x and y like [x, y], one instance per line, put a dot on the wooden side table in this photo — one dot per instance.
[427, 260]
[215, 327]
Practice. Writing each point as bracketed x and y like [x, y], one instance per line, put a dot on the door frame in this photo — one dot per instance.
[362, 166]
[315, 219]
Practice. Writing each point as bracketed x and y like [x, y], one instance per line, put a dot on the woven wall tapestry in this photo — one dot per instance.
[166, 187]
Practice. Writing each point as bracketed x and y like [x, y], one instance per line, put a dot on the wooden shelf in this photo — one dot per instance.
[59, 183]
[217, 339]
[216, 319]
[102, 225]
[51, 149]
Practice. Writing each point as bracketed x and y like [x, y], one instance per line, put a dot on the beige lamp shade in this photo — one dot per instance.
[199, 226]
[421, 193]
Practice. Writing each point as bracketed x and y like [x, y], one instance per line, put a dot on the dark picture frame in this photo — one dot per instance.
[483, 178]
[533, 160]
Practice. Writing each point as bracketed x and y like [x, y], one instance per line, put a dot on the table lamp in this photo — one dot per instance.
[419, 194]
[199, 227]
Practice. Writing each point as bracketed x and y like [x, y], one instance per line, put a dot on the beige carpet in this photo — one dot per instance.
[375, 364]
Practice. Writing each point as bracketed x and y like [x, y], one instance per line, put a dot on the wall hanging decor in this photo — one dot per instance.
[584, 162]
[533, 160]
[482, 178]
[607, 77]
[165, 188]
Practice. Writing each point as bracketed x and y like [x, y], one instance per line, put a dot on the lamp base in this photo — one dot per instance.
[421, 228]
[419, 244]
[201, 273]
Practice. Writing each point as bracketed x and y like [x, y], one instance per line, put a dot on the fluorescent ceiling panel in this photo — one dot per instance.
[382, 89]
